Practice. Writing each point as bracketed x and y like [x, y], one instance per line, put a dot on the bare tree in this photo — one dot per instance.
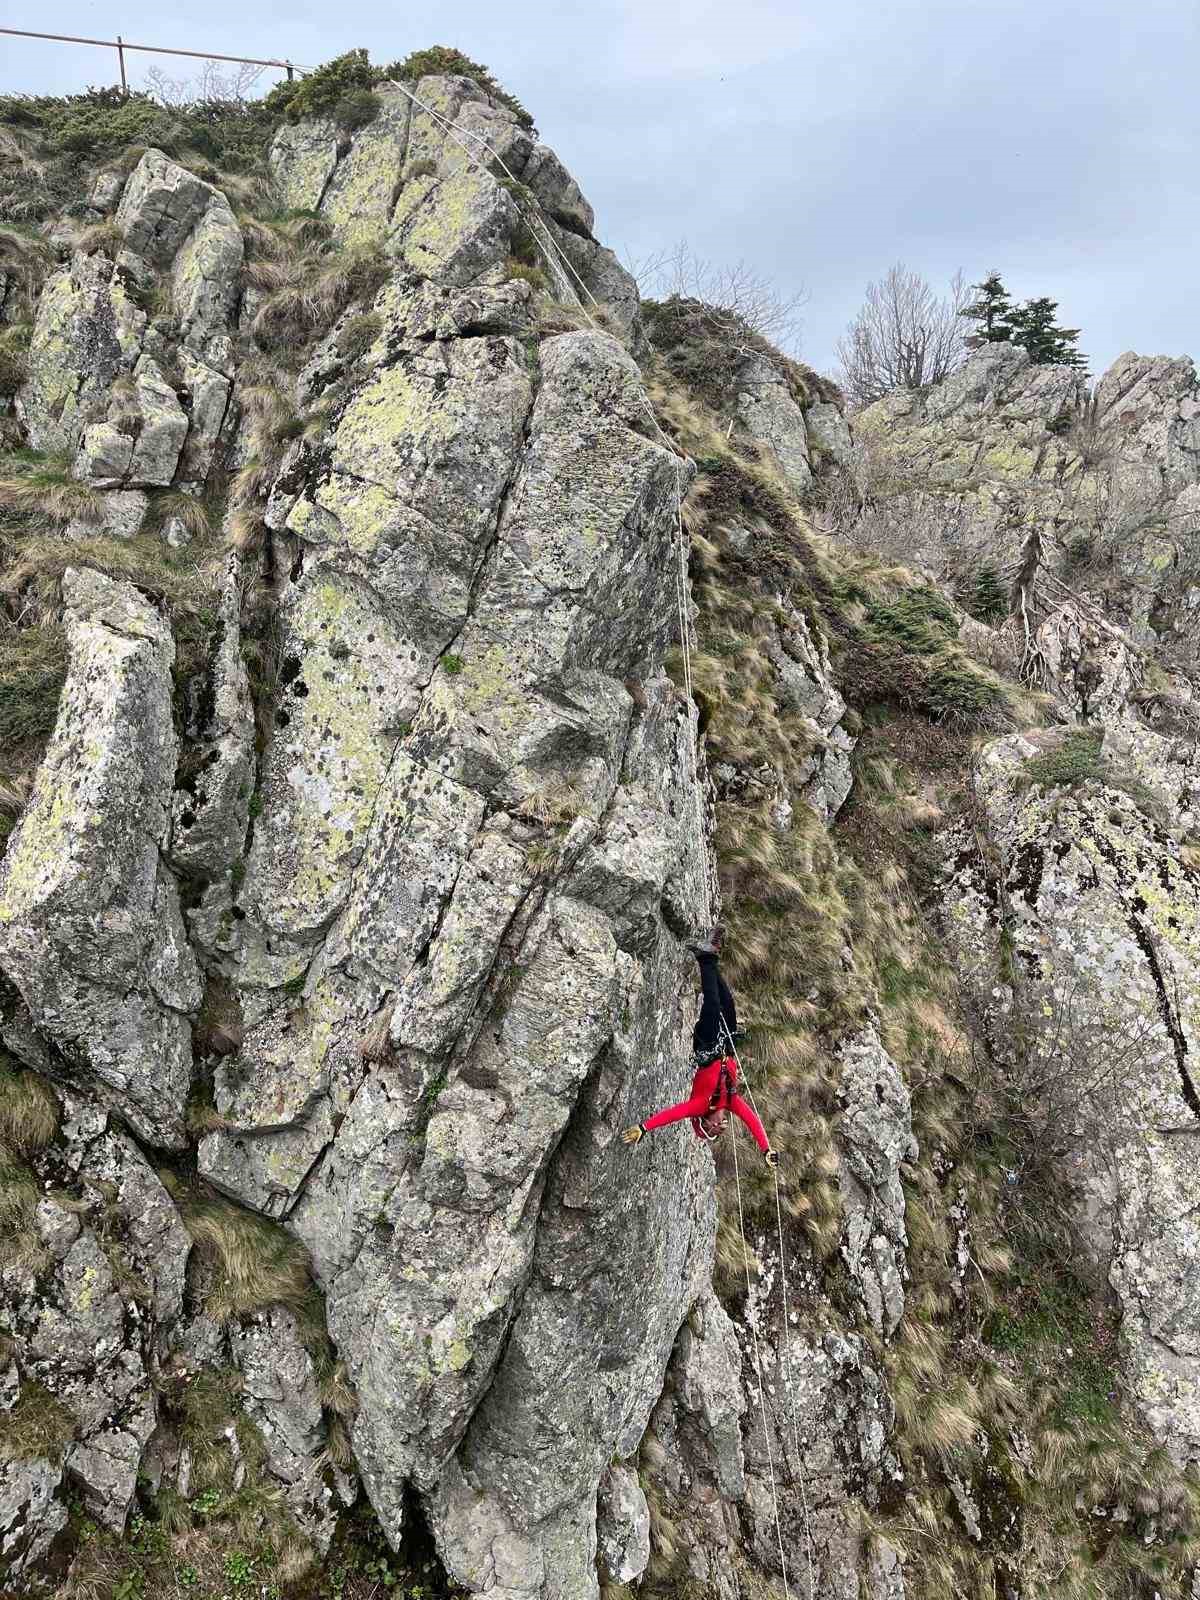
[212, 83]
[736, 288]
[904, 337]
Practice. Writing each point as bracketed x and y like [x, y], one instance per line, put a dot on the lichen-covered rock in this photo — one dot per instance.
[122, 513]
[90, 930]
[1102, 920]
[282, 1398]
[768, 413]
[557, 190]
[88, 331]
[162, 428]
[161, 204]
[32, 1514]
[828, 433]
[875, 1139]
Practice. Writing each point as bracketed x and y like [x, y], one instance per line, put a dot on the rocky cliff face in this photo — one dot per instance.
[343, 922]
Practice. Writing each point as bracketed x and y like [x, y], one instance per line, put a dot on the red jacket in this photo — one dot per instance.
[705, 1085]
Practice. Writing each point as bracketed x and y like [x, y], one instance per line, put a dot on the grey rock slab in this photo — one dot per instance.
[586, 539]
[453, 228]
[164, 427]
[32, 1514]
[86, 333]
[829, 436]
[122, 514]
[557, 190]
[875, 1139]
[302, 157]
[622, 1525]
[360, 194]
[1103, 919]
[768, 413]
[89, 924]
[160, 206]
[103, 456]
[282, 1398]
[205, 279]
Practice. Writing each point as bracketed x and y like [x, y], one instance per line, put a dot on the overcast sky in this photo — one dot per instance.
[1056, 140]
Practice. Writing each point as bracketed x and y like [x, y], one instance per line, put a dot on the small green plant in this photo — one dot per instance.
[986, 598]
[1076, 759]
[239, 1569]
[129, 1585]
[453, 664]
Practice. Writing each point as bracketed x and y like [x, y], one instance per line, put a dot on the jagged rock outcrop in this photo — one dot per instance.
[359, 946]
[1005, 449]
[427, 179]
[91, 934]
[875, 1140]
[1098, 1019]
[98, 389]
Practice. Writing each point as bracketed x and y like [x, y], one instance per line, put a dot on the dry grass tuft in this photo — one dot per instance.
[43, 488]
[252, 1263]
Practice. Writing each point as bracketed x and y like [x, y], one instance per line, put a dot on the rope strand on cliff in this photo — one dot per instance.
[744, 1082]
[759, 1373]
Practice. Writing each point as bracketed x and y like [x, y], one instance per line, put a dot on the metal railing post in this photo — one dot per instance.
[120, 45]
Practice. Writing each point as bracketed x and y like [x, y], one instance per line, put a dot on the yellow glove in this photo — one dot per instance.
[772, 1158]
[633, 1135]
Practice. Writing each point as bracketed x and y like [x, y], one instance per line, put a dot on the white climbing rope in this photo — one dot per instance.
[760, 1372]
[743, 1080]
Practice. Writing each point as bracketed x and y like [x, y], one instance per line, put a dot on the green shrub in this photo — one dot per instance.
[97, 122]
[335, 88]
[1076, 760]
[441, 59]
[986, 597]
[453, 664]
[918, 618]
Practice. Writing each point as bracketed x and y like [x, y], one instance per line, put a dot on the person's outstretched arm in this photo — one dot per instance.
[748, 1115]
[695, 1107]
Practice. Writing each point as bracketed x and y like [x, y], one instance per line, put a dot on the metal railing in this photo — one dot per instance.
[121, 45]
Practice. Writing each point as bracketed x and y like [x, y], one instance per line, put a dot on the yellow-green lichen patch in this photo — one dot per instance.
[445, 218]
[358, 201]
[353, 684]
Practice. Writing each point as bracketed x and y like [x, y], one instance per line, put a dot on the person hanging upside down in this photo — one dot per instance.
[714, 1088]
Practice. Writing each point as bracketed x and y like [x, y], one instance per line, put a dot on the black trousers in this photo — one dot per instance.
[716, 1007]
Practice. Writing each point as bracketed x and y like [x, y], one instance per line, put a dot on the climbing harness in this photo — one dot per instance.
[565, 270]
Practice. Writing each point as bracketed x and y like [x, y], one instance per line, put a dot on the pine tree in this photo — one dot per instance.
[1033, 326]
[991, 311]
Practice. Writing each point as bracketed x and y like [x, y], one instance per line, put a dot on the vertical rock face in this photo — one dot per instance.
[876, 1139]
[379, 925]
[90, 930]
[1104, 920]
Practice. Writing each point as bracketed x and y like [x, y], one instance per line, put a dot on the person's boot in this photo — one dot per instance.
[710, 946]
